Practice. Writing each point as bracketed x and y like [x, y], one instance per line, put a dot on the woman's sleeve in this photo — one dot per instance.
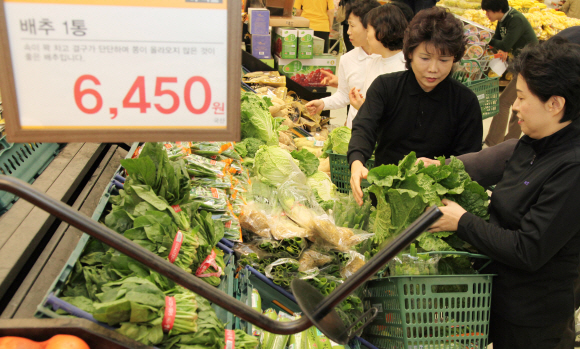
[551, 222]
[340, 98]
[365, 125]
[469, 133]
[486, 166]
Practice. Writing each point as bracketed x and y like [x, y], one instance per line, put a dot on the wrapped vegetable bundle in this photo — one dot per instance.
[284, 270]
[291, 247]
[256, 221]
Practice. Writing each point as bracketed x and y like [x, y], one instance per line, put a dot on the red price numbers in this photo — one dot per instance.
[136, 97]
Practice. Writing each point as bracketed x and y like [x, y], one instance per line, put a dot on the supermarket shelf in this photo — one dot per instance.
[78, 176]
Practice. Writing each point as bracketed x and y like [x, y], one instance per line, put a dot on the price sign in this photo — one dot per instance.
[120, 70]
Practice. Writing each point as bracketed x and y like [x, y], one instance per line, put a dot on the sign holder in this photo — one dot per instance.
[159, 98]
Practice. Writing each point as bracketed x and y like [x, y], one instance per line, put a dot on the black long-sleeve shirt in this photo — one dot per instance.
[400, 117]
[533, 234]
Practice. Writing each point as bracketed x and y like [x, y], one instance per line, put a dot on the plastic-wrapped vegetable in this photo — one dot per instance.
[284, 228]
[265, 337]
[256, 221]
[212, 182]
[256, 300]
[284, 270]
[418, 264]
[292, 247]
[326, 233]
[199, 166]
[210, 199]
[356, 262]
[278, 341]
[348, 214]
[312, 259]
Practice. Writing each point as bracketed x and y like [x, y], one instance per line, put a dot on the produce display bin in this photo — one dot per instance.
[487, 92]
[273, 296]
[429, 312]
[45, 310]
[25, 161]
[340, 172]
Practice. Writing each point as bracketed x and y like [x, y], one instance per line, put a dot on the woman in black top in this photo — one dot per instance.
[422, 109]
[533, 234]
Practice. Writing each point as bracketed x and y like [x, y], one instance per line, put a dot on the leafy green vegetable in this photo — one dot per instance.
[404, 191]
[168, 179]
[274, 165]
[337, 141]
[323, 188]
[308, 161]
[257, 122]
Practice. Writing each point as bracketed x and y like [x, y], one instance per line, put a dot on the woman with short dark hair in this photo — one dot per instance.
[385, 32]
[421, 109]
[533, 233]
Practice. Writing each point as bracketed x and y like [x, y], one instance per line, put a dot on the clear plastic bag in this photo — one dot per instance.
[283, 228]
[312, 259]
[419, 264]
[355, 262]
[255, 220]
[284, 270]
[328, 235]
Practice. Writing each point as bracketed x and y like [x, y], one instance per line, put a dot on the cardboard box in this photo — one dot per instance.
[280, 7]
[269, 62]
[259, 22]
[306, 72]
[318, 46]
[261, 46]
[285, 43]
[305, 43]
[278, 21]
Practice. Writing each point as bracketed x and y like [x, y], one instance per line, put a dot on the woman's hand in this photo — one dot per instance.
[356, 99]
[358, 172]
[315, 107]
[452, 212]
[428, 162]
[329, 79]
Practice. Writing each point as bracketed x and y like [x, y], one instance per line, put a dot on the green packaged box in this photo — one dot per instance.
[307, 72]
[305, 43]
[285, 43]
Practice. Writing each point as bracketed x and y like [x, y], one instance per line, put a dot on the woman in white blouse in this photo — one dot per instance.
[385, 31]
[352, 67]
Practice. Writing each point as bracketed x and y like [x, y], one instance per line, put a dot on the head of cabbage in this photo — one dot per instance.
[323, 188]
[274, 165]
[337, 141]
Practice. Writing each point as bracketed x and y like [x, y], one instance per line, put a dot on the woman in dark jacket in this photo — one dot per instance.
[533, 234]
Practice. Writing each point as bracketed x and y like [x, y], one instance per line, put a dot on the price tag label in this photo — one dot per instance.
[123, 70]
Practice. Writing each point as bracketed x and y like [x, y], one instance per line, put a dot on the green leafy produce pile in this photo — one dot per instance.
[257, 122]
[404, 192]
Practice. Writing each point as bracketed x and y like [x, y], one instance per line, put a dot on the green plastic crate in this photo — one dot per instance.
[429, 312]
[226, 285]
[487, 92]
[340, 172]
[25, 161]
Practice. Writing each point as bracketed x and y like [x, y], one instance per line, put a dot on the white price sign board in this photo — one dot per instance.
[120, 70]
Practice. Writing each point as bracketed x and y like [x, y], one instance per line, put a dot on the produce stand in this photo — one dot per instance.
[321, 313]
